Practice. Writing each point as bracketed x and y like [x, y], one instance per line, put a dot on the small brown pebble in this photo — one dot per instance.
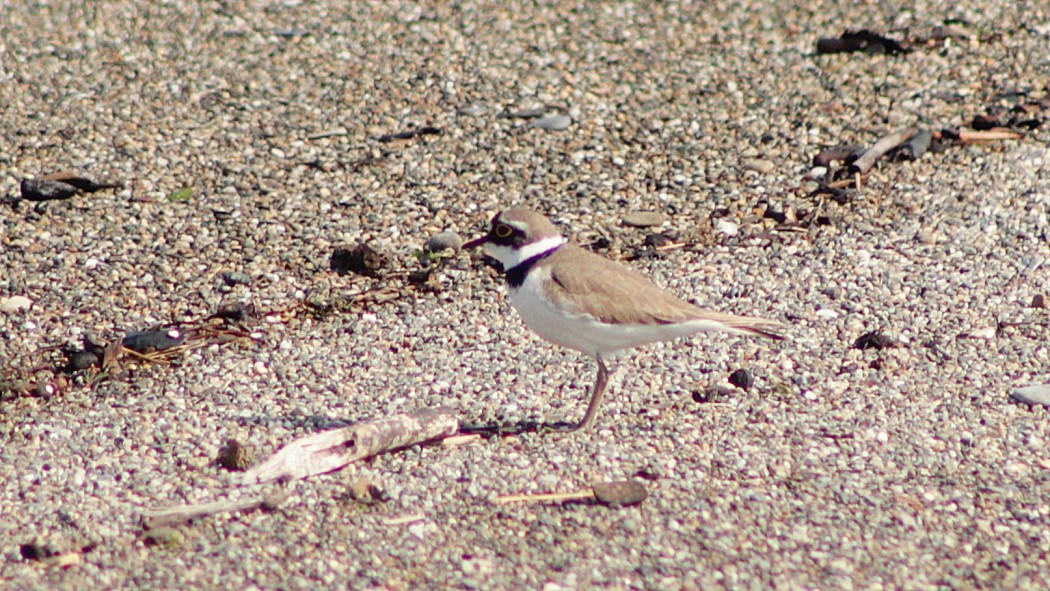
[235, 456]
[622, 493]
[80, 360]
[360, 258]
[1038, 301]
[235, 311]
[234, 278]
[364, 490]
[420, 277]
[985, 121]
[875, 340]
[712, 394]
[656, 240]
[742, 379]
[776, 215]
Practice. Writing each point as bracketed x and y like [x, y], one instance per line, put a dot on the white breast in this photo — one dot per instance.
[584, 332]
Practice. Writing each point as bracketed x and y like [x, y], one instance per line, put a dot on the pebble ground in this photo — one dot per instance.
[246, 136]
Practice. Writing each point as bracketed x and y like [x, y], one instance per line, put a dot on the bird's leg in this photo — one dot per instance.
[597, 393]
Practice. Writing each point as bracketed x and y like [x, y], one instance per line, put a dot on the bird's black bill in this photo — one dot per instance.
[477, 242]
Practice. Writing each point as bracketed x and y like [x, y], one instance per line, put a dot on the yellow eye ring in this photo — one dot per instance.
[503, 231]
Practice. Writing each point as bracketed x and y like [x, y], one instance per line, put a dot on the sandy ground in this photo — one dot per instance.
[246, 140]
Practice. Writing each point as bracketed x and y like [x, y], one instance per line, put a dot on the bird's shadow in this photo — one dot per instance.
[490, 430]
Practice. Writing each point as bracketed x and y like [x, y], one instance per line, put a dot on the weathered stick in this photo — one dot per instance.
[623, 493]
[989, 135]
[330, 450]
[583, 495]
[178, 515]
[866, 160]
[914, 148]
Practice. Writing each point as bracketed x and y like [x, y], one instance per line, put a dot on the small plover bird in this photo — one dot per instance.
[580, 300]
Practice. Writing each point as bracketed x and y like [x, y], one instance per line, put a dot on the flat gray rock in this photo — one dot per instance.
[444, 241]
[553, 122]
[1033, 394]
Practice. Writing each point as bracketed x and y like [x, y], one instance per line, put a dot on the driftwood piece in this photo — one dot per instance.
[870, 156]
[914, 148]
[330, 450]
[989, 135]
[176, 516]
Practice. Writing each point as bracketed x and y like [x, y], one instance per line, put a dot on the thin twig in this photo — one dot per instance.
[174, 516]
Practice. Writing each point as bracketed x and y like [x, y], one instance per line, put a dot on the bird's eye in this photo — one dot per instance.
[503, 231]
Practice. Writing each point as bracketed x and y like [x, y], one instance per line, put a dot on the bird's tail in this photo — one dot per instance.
[746, 325]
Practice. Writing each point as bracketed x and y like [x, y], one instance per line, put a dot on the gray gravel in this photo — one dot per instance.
[245, 136]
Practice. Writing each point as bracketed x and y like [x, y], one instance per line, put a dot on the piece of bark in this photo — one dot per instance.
[176, 516]
[870, 156]
[875, 340]
[412, 133]
[360, 258]
[986, 121]
[860, 40]
[148, 341]
[331, 450]
[914, 148]
[845, 154]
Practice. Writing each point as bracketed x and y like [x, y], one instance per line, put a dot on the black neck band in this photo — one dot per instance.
[516, 274]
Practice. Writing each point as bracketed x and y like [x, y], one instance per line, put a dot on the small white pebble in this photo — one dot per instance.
[15, 303]
[724, 226]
